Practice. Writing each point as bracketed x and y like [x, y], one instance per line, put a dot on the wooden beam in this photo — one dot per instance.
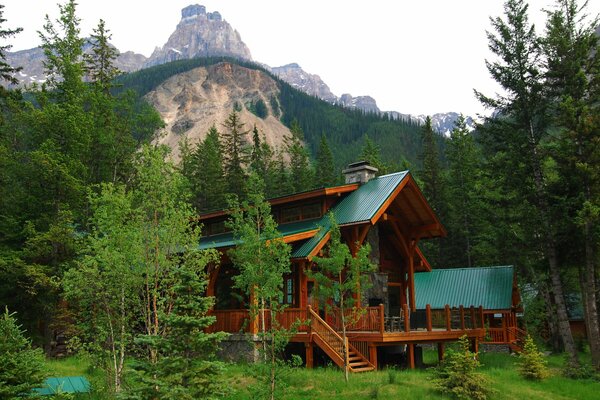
[373, 354]
[389, 200]
[300, 236]
[319, 246]
[440, 348]
[411, 355]
[309, 354]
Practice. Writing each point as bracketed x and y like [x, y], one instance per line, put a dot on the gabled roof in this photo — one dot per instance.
[490, 287]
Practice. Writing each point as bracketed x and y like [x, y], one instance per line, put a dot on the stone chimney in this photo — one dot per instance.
[359, 172]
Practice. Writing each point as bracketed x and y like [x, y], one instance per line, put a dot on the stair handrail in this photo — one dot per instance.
[315, 319]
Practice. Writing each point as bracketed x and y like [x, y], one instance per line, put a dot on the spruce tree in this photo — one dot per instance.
[7, 72]
[573, 78]
[235, 154]
[301, 174]
[100, 62]
[521, 128]
[324, 168]
[21, 367]
[371, 153]
[464, 206]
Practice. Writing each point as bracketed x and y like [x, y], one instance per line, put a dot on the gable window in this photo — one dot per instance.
[300, 212]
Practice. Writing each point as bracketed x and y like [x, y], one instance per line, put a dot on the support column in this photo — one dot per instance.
[373, 354]
[411, 355]
[309, 354]
[440, 349]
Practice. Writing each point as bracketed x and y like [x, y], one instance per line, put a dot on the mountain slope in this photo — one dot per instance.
[191, 102]
[344, 128]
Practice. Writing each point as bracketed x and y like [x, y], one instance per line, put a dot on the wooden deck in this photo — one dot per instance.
[369, 324]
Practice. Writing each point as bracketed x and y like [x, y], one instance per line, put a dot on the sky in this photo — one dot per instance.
[415, 57]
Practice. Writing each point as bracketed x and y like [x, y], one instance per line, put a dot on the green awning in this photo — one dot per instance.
[490, 287]
[67, 384]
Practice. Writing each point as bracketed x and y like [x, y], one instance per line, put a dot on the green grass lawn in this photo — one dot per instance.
[328, 383]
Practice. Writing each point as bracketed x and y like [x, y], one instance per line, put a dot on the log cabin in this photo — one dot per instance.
[391, 214]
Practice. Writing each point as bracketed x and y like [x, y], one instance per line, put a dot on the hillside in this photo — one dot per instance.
[344, 128]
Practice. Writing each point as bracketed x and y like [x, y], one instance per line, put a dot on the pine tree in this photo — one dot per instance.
[433, 187]
[523, 122]
[21, 367]
[7, 72]
[301, 174]
[186, 366]
[532, 365]
[99, 64]
[324, 168]
[463, 198]
[235, 155]
[573, 77]
[371, 153]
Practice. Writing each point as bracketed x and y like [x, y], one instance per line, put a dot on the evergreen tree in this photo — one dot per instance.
[7, 72]
[532, 365]
[186, 367]
[324, 168]
[203, 167]
[521, 127]
[235, 155]
[21, 367]
[433, 188]
[464, 206]
[301, 174]
[573, 77]
[281, 181]
[371, 153]
[99, 64]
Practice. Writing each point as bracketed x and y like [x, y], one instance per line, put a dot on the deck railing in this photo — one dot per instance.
[367, 319]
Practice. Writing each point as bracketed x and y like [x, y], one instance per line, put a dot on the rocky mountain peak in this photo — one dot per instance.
[200, 34]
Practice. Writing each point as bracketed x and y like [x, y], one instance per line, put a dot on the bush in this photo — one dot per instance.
[532, 365]
[456, 375]
[20, 365]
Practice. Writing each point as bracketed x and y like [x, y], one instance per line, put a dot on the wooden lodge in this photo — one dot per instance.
[391, 214]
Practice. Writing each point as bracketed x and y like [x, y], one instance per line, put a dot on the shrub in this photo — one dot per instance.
[20, 365]
[532, 365]
[456, 375]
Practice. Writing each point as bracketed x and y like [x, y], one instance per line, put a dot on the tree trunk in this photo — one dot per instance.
[588, 289]
[550, 312]
[550, 251]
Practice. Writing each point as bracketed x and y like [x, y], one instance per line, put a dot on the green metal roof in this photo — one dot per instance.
[490, 287]
[226, 239]
[67, 384]
[362, 204]
[359, 206]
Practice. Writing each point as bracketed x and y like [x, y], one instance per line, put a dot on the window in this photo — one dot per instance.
[300, 212]
[289, 290]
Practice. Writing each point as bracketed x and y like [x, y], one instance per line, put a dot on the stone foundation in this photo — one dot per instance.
[239, 347]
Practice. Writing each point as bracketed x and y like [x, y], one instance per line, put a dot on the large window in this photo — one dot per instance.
[300, 212]
[290, 289]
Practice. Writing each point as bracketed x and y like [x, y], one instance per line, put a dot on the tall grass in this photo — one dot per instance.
[328, 383]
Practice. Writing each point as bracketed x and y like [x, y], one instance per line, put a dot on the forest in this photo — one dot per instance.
[98, 253]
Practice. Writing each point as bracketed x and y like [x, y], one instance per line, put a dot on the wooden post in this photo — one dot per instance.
[481, 317]
[253, 328]
[462, 317]
[440, 347]
[373, 354]
[303, 285]
[428, 317]
[448, 323]
[381, 319]
[411, 276]
[309, 354]
[406, 319]
[473, 325]
[411, 355]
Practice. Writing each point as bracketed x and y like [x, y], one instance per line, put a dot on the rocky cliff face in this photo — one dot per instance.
[200, 34]
[365, 103]
[33, 68]
[191, 102]
[442, 123]
[308, 83]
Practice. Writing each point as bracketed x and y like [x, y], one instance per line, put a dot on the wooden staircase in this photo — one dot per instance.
[333, 345]
[517, 338]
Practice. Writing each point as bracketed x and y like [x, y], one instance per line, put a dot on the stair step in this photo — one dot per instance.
[365, 369]
[355, 358]
[359, 364]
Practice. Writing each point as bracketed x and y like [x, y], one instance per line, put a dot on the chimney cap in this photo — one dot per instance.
[359, 172]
